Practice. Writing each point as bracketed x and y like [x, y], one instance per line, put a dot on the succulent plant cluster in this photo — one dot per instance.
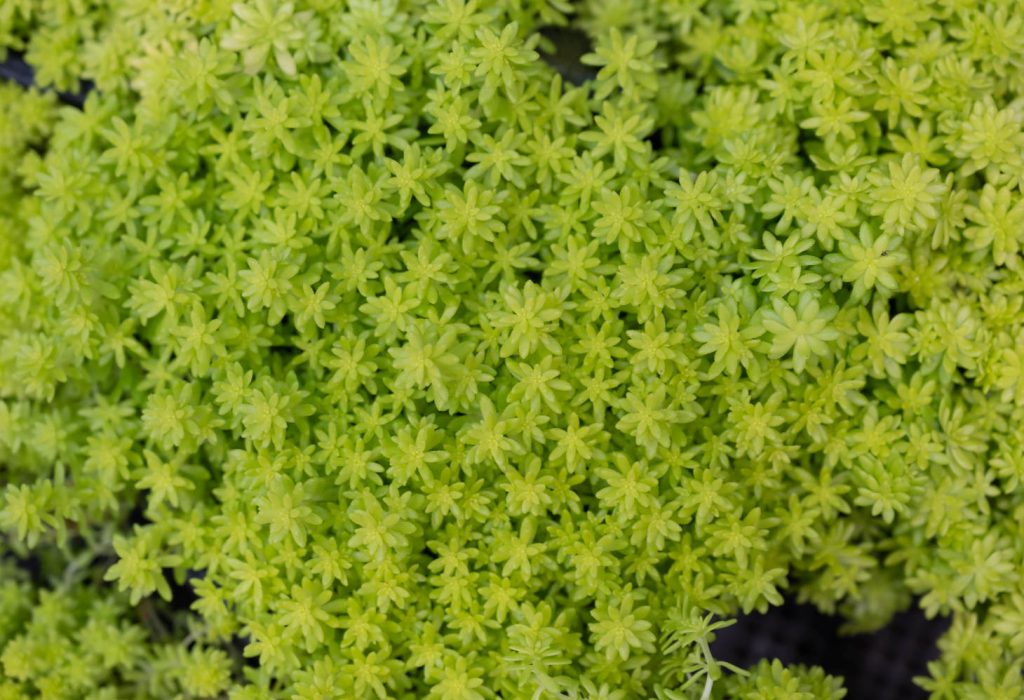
[348, 351]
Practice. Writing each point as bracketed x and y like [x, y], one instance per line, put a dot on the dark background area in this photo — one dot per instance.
[877, 666]
[16, 70]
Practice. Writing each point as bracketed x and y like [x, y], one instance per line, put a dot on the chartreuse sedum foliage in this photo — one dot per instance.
[346, 351]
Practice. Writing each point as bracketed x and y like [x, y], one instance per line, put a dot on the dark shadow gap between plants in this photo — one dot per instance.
[570, 45]
[15, 69]
[876, 666]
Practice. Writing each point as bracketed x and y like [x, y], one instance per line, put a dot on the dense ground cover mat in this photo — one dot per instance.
[348, 351]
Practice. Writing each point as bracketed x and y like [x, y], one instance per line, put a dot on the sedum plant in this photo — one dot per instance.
[348, 351]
